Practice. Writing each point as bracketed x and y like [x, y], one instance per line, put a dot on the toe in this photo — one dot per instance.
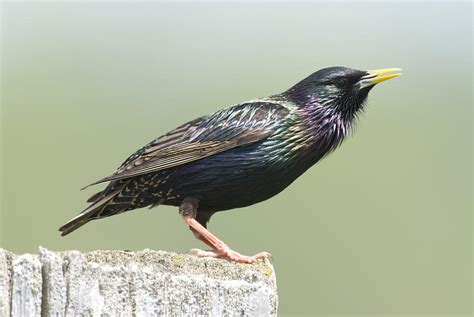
[263, 255]
[237, 257]
[203, 253]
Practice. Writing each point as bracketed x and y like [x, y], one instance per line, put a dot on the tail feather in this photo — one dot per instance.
[95, 197]
[72, 225]
[90, 213]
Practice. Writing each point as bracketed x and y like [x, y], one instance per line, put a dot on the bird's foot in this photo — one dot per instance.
[231, 255]
[219, 248]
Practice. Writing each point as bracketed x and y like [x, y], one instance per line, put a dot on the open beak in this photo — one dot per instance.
[374, 77]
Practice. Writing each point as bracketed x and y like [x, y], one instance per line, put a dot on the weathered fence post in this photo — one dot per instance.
[143, 283]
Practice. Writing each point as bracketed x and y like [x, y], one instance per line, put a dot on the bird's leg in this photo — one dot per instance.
[220, 249]
[188, 210]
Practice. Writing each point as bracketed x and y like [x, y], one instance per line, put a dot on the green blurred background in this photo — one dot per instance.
[381, 226]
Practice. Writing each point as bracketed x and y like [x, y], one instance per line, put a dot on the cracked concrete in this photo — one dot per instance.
[142, 283]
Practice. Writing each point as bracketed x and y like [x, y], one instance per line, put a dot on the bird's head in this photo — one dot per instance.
[339, 88]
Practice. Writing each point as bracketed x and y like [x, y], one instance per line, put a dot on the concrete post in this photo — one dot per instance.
[143, 283]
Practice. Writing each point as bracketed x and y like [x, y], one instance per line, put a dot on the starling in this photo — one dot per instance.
[237, 156]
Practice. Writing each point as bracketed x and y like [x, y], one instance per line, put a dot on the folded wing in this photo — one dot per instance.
[238, 125]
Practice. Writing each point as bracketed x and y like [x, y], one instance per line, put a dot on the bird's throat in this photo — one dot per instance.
[325, 129]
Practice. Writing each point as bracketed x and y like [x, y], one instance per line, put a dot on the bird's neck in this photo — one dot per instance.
[323, 129]
[327, 127]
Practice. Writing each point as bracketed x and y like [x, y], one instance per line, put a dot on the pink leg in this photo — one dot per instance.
[220, 249]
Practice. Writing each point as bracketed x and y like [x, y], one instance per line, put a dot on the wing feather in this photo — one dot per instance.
[239, 125]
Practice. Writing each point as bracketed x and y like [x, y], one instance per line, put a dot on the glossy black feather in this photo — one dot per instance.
[237, 156]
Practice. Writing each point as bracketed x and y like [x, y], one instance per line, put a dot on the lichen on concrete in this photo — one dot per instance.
[5, 281]
[26, 286]
[137, 283]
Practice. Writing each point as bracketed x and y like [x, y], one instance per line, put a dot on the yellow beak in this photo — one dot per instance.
[373, 76]
[378, 72]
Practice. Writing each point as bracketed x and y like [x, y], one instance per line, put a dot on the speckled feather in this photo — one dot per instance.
[232, 158]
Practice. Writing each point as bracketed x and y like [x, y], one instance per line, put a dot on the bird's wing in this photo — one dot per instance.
[235, 126]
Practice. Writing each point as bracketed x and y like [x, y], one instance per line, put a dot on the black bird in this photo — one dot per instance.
[237, 156]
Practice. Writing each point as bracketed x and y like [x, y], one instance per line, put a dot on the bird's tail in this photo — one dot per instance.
[72, 225]
[94, 211]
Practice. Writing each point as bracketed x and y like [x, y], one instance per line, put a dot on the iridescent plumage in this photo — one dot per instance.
[237, 156]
